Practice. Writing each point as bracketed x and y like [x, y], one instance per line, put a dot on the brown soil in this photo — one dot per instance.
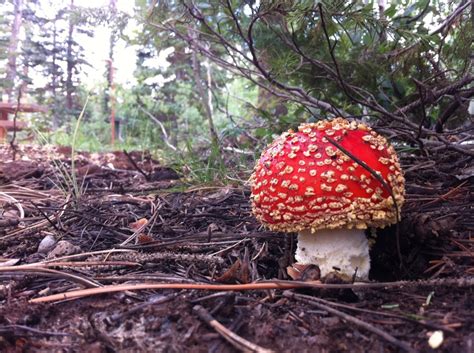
[208, 235]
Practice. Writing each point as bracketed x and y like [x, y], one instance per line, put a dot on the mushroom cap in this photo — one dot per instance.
[304, 181]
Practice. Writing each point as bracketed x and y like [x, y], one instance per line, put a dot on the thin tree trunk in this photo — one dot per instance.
[110, 77]
[54, 77]
[382, 4]
[24, 83]
[112, 41]
[12, 49]
[180, 60]
[70, 61]
[209, 86]
[203, 94]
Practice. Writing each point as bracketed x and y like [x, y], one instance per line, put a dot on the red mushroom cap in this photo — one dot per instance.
[305, 181]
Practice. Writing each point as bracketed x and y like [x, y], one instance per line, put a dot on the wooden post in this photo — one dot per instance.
[3, 130]
[7, 108]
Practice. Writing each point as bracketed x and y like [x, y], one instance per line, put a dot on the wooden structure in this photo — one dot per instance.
[7, 108]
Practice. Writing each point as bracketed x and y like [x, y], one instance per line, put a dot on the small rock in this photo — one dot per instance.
[436, 339]
[46, 244]
[63, 248]
[11, 214]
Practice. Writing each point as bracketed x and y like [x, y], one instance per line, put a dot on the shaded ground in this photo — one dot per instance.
[207, 235]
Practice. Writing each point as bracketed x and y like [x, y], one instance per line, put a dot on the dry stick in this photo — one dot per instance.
[141, 228]
[154, 301]
[85, 254]
[46, 217]
[277, 284]
[389, 338]
[163, 130]
[52, 273]
[15, 116]
[234, 339]
[6, 197]
[447, 194]
[80, 264]
[423, 117]
[14, 328]
[435, 95]
[197, 286]
[147, 177]
[449, 20]
[38, 225]
[382, 313]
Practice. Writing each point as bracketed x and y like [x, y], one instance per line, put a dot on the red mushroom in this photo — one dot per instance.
[329, 181]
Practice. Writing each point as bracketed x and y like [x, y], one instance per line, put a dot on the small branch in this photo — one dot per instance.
[15, 328]
[369, 169]
[204, 98]
[86, 282]
[81, 293]
[331, 52]
[423, 110]
[421, 14]
[5, 197]
[449, 20]
[46, 217]
[160, 124]
[147, 177]
[234, 339]
[15, 116]
[451, 109]
[295, 90]
[437, 94]
[292, 93]
[389, 338]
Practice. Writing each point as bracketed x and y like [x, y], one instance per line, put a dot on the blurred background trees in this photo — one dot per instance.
[221, 77]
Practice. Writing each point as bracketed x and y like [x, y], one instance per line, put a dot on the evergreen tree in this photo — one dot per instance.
[55, 53]
[395, 62]
[12, 49]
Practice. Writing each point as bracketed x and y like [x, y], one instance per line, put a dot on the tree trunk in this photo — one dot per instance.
[112, 41]
[110, 77]
[54, 77]
[70, 61]
[12, 50]
[203, 94]
[180, 60]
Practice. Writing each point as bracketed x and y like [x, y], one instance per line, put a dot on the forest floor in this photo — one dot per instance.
[137, 224]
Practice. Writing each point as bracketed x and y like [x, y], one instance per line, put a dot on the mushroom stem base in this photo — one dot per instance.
[346, 250]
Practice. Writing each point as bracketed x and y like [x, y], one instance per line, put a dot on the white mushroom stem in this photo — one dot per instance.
[344, 249]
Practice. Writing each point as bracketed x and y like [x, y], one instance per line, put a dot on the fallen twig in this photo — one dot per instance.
[14, 328]
[135, 165]
[234, 339]
[52, 273]
[277, 284]
[419, 321]
[389, 338]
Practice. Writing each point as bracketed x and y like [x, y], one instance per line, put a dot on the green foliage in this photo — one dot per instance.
[347, 55]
